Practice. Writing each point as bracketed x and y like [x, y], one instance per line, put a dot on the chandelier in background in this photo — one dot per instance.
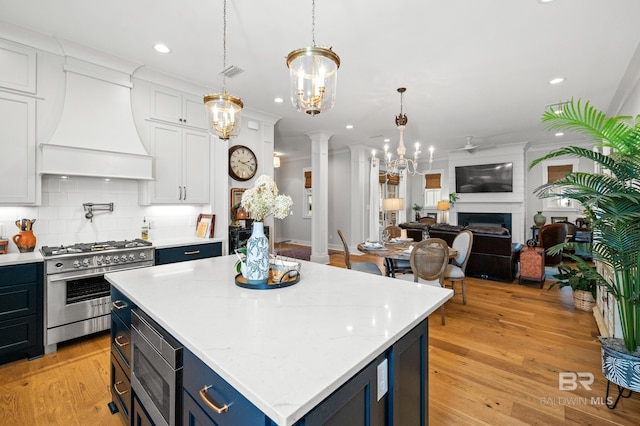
[402, 164]
[224, 112]
[313, 74]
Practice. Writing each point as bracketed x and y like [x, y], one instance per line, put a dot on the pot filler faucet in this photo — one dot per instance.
[90, 207]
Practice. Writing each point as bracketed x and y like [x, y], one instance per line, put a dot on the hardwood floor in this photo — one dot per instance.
[495, 362]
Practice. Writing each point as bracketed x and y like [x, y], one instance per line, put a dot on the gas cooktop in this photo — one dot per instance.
[94, 247]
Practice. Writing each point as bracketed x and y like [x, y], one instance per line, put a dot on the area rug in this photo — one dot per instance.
[298, 252]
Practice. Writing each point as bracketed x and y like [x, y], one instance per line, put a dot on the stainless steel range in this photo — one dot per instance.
[77, 300]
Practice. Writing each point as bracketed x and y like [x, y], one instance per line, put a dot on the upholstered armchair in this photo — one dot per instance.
[549, 236]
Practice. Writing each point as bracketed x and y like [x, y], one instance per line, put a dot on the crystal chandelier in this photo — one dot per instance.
[313, 73]
[401, 164]
[224, 111]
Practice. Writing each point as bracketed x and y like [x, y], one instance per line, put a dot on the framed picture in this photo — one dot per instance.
[206, 225]
[234, 202]
[556, 219]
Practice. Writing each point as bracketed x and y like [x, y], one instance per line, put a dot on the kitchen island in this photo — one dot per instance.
[285, 350]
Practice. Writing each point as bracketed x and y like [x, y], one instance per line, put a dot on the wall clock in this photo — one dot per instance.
[243, 163]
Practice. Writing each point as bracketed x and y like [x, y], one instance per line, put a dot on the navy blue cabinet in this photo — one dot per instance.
[189, 252]
[354, 403]
[121, 394]
[21, 311]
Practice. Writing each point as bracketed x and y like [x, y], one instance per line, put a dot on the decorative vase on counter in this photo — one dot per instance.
[539, 219]
[257, 263]
[25, 241]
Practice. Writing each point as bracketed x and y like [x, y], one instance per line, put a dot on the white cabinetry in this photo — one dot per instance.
[606, 310]
[181, 166]
[178, 107]
[18, 70]
[17, 149]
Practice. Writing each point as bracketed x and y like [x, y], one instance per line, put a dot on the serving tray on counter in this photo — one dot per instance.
[285, 282]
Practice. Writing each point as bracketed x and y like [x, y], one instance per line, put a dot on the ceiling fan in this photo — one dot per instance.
[469, 147]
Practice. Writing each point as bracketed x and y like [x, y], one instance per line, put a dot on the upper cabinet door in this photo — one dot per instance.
[194, 111]
[18, 70]
[18, 149]
[177, 107]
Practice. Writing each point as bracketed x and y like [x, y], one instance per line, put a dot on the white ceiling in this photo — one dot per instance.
[470, 67]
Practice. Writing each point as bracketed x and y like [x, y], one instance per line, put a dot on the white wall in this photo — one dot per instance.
[60, 219]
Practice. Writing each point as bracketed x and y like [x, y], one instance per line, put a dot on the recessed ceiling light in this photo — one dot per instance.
[545, 1]
[560, 134]
[386, 140]
[349, 126]
[278, 100]
[556, 80]
[161, 48]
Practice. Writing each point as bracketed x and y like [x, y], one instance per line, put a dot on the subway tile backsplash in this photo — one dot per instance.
[60, 217]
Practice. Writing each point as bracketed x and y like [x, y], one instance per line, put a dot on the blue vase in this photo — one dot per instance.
[257, 269]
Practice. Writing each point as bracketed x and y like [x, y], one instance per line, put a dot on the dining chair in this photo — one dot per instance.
[396, 265]
[369, 267]
[455, 270]
[429, 259]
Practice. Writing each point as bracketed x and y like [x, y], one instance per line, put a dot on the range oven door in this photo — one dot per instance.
[156, 370]
[75, 297]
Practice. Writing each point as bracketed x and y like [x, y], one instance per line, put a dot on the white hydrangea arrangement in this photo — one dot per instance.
[263, 200]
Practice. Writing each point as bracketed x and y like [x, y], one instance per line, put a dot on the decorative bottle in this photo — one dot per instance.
[144, 231]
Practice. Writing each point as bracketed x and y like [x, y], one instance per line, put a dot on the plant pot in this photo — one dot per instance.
[417, 216]
[583, 300]
[619, 366]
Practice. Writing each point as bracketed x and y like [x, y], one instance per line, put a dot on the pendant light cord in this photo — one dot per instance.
[224, 47]
[313, 22]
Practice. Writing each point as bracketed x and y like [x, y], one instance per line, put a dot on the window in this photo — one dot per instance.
[432, 190]
[551, 172]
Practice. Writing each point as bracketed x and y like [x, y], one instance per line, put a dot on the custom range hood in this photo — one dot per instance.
[96, 135]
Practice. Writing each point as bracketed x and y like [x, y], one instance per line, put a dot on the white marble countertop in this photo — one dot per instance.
[19, 258]
[184, 241]
[284, 349]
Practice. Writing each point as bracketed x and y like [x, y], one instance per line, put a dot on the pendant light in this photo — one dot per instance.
[224, 111]
[313, 73]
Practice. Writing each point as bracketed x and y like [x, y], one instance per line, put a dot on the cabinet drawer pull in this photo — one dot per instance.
[117, 340]
[118, 391]
[204, 394]
[192, 252]
[119, 304]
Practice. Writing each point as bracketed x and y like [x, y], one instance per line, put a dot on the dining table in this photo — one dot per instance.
[394, 249]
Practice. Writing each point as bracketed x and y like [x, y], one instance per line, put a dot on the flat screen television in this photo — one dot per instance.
[496, 177]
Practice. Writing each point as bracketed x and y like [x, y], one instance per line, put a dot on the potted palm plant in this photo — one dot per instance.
[583, 287]
[612, 204]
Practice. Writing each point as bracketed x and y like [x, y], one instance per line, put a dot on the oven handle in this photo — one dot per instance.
[204, 395]
[64, 277]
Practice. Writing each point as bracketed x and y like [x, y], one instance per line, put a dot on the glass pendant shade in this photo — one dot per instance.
[224, 114]
[313, 74]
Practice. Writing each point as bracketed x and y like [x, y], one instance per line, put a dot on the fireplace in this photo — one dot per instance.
[485, 219]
